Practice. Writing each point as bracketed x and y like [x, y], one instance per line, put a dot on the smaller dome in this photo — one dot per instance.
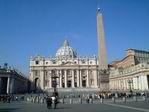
[66, 51]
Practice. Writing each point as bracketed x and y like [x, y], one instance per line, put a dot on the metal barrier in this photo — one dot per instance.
[36, 99]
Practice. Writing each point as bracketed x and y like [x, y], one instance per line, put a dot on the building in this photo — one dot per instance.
[131, 73]
[72, 71]
[79, 73]
[12, 81]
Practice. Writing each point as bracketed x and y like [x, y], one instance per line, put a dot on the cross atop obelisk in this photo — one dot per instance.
[102, 57]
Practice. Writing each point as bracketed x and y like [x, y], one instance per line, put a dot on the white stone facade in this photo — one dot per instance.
[71, 71]
[135, 78]
[131, 73]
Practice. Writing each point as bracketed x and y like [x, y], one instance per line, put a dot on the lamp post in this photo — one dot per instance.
[54, 82]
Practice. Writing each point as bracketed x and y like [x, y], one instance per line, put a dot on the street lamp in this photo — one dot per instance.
[54, 82]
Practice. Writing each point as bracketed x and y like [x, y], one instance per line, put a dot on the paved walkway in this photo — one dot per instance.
[109, 107]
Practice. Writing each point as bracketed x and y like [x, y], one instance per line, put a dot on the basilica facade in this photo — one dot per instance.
[70, 70]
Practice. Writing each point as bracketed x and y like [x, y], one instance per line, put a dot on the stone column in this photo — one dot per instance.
[140, 82]
[132, 84]
[144, 82]
[42, 79]
[31, 78]
[78, 79]
[127, 84]
[50, 79]
[8, 85]
[60, 79]
[72, 85]
[95, 78]
[87, 78]
[112, 84]
[12, 87]
[124, 84]
[65, 78]
[119, 83]
[57, 79]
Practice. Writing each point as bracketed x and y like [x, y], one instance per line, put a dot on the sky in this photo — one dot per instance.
[32, 27]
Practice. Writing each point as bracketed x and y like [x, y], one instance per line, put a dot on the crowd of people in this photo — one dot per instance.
[5, 98]
[8, 98]
[54, 99]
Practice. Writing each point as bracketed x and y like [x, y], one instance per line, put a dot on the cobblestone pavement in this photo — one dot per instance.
[107, 107]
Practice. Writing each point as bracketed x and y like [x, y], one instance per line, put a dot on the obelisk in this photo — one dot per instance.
[102, 57]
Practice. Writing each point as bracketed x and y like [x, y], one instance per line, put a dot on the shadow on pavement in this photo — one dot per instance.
[7, 109]
[63, 108]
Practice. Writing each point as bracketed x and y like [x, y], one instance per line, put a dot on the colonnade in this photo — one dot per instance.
[76, 78]
[6, 85]
[67, 78]
[140, 82]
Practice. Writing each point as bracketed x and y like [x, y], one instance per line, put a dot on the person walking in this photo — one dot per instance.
[54, 101]
[49, 102]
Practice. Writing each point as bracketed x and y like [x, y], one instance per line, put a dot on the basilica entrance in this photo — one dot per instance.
[84, 83]
[69, 83]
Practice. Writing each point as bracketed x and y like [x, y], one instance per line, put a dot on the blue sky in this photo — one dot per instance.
[31, 27]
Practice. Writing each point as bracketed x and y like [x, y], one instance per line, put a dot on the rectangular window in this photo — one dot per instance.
[37, 62]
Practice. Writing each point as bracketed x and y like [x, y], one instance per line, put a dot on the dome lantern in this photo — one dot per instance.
[66, 43]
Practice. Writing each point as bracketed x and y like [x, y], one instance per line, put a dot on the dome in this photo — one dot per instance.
[66, 51]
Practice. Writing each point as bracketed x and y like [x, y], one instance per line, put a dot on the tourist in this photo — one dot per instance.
[49, 102]
[87, 99]
[54, 101]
